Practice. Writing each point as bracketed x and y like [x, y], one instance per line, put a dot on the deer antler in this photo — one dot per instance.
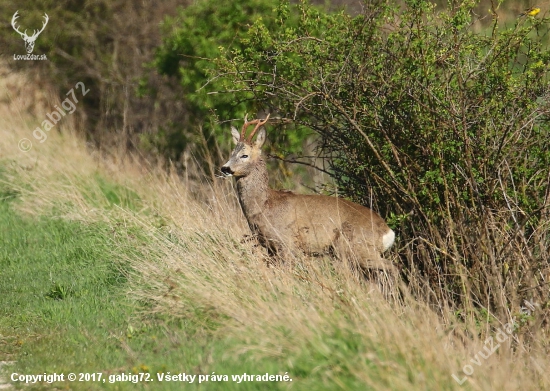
[15, 16]
[260, 123]
[36, 34]
[257, 122]
[245, 125]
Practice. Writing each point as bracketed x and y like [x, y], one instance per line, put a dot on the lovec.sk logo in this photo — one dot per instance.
[29, 40]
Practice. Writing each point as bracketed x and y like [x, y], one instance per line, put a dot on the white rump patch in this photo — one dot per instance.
[388, 239]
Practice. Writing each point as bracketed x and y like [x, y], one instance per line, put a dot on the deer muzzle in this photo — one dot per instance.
[227, 171]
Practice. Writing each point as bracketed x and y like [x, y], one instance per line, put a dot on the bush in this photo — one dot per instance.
[104, 45]
[192, 43]
[444, 126]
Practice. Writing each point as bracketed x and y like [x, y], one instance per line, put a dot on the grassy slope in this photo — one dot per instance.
[57, 280]
[132, 273]
[64, 301]
[64, 309]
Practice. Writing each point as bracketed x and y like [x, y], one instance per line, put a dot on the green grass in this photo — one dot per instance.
[64, 308]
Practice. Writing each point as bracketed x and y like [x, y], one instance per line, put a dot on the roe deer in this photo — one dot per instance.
[287, 222]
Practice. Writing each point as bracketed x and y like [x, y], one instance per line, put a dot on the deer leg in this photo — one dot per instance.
[378, 264]
[363, 254]
[370, 259]
[279, 254]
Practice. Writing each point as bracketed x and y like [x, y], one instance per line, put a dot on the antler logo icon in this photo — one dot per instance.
[29, 41]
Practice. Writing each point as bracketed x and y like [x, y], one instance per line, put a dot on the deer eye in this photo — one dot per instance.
[244, 156]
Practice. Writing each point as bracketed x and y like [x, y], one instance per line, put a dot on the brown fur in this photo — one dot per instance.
[285, 222]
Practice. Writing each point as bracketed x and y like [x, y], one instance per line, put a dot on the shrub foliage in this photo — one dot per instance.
[103, 44]
[192, 42]
[444, 124]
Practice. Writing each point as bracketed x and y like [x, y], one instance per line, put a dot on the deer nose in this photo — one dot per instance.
[226, 170]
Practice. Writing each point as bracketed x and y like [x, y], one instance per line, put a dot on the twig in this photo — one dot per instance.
[300, 162]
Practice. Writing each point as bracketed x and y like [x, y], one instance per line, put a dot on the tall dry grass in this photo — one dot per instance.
[318, 320]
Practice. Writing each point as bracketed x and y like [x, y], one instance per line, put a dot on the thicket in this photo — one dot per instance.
[144, 64]
[446, 128]
[438, 124]
[192, 43]
[103, 44]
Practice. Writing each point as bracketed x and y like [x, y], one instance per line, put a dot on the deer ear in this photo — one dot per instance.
[260, 139]
[236, 135]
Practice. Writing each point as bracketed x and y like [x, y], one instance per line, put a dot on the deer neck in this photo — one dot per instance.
[253, 191]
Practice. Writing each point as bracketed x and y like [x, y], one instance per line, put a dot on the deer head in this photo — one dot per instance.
[246, 153]
[29, 41]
